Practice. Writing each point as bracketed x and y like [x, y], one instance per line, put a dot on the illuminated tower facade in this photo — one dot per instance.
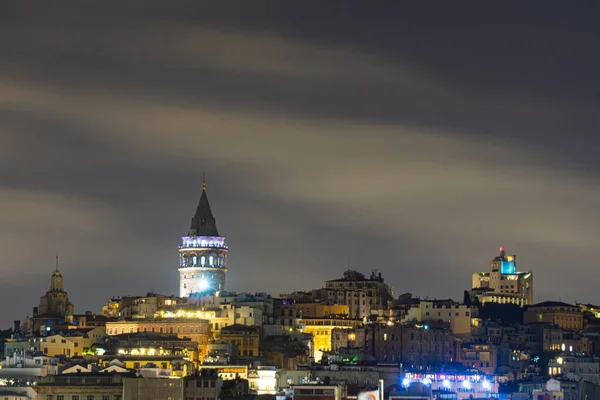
[202, 253]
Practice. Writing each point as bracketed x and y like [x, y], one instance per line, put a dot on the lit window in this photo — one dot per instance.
[194, 260]
[202, 260]
[210, 260]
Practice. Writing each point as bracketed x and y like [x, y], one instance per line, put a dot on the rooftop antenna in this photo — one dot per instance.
[57, 263]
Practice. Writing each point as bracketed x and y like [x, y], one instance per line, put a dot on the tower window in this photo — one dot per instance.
[202, 260]
[194, 260]
[210, 260]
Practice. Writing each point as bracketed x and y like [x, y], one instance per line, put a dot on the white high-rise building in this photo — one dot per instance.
[503, 284]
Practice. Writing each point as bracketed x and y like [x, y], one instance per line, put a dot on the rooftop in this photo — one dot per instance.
[553, 304]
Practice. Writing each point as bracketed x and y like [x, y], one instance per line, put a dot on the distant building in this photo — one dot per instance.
[322, 331]
[286, 313]
[457, 315]
[566, 316]
[322, 310]
[504, 283]
[139, 306]
[98, 385]
[359, 293]
[246, 338]
[205, 386]
[152, 388]
[202, 253]
[319, 392]
[263, 380]
[415, 345]
[197, 330]
[587, 368]
[480, 356]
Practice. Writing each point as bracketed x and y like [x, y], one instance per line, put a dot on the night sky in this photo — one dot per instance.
[409, 139]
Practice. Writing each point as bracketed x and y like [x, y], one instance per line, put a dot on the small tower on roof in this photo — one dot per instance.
[56, 283]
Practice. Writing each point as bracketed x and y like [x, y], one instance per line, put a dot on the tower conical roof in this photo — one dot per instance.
[203, 223]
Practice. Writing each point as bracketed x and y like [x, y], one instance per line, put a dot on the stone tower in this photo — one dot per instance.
[202, 253]
[56, 301]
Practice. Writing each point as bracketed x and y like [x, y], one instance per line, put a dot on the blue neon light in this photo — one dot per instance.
[508, 267]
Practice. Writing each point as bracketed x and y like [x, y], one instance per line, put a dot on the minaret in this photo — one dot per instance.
[202, 254]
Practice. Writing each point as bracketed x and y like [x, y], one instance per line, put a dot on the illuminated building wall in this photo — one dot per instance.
[84, 386]
[481, 280]
[566, 316]
[322, 328]
[196, 330]
[202, 254]
[224, 315]
[263, 380]
[246, 338]
[457, 315]
[153, 347]
[57, 345]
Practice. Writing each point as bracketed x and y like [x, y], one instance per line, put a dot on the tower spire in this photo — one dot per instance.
[56, 263]
[203, 223]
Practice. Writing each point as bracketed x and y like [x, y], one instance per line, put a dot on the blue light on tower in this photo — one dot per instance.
[508, 267]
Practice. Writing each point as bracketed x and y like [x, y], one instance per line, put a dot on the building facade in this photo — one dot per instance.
[415, 345]
[457, 315]
[202, 254]
[359, 293]
[566, 316]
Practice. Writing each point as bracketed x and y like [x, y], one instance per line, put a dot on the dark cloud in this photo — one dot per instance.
[410, 140]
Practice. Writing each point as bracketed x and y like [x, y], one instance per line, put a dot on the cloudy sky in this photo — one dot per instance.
[409, 139]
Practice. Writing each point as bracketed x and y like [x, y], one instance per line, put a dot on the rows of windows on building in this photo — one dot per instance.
[202, 261]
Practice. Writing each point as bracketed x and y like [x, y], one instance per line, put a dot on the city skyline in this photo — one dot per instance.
[417, 158]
